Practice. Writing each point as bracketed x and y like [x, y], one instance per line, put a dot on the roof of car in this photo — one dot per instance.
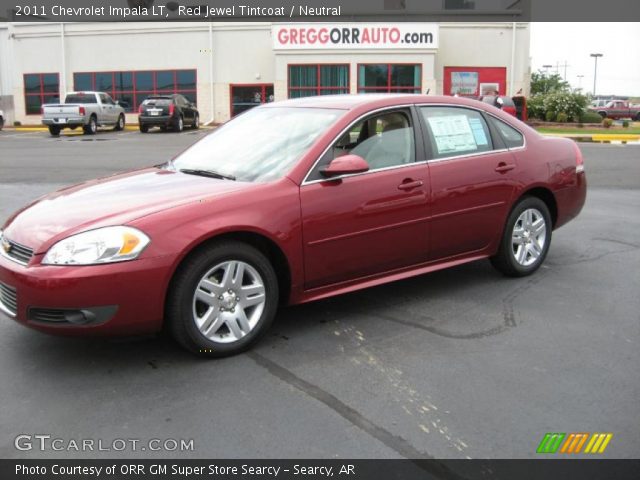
[355, 101]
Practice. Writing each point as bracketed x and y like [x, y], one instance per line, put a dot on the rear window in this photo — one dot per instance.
[512, 137]
[161, 102]
[80, 98]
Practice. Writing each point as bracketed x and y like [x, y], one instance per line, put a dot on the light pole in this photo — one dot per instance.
[595, 71]
[580, 77]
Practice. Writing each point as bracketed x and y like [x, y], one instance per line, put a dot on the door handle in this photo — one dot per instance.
[503, 167]
[410, 184]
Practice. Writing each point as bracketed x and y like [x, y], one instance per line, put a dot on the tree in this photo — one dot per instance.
[542, 82]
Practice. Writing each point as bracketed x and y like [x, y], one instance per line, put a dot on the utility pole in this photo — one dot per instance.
[595, 71]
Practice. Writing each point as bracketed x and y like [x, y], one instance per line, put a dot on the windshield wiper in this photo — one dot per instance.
[207, 173]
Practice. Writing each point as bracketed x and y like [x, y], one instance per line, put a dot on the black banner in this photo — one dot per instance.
[544, 469]
[319, 10]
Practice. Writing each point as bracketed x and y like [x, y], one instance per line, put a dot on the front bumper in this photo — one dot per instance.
[135, 288]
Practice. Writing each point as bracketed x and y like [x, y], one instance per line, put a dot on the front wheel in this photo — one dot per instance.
[222, 299]
[526, 238]
[196, 122]
[120, 123]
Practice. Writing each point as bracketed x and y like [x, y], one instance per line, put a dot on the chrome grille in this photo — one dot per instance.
[8, 299]
[16, 252]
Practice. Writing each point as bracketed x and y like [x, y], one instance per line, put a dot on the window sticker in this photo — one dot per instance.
[478, 132]
[452, 134]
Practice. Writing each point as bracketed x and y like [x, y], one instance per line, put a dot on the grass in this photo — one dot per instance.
[632, 130]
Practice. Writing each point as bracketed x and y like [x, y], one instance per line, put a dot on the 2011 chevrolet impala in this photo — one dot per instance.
[290, 202]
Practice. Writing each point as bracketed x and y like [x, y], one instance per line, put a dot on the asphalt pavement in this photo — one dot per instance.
[462, 363]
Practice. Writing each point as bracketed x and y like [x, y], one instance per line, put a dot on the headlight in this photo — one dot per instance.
[103, 245]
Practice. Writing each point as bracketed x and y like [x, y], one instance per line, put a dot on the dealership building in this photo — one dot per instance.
[227, 68]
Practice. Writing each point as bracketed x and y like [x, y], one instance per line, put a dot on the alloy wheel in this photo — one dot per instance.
[228, 301]
[528, 237]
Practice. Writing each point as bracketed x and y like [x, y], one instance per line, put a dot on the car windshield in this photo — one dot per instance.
[260, 145]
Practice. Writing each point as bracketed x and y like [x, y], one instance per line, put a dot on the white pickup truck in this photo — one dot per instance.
[88, 110]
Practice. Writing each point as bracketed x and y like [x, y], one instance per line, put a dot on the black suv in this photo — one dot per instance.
[167, 111]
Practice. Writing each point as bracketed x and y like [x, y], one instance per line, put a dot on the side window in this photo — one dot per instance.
[512, 137]
[103, 99]
[384, 140]
[454, 131]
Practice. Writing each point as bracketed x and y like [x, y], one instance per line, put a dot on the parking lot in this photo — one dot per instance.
[462, 363]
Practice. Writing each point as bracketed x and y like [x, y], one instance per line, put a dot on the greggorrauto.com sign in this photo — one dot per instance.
[315, 36]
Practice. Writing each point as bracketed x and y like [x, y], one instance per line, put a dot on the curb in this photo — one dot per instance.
[128, 128]
[597, 137]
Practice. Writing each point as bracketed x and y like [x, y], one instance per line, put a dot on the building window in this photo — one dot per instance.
[245, 97]
[40, 88]
[310, 80]
[131, 88]
[389, 78]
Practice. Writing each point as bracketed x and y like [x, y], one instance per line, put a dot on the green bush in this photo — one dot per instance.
[589, 116]
[549, 116]
[580, 125]
[625, 124]
[17, 123]
[562, 117]
[535, 108]
[607, 122]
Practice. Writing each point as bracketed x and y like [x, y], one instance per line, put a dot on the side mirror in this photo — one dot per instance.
[117, 102]
[345, 165]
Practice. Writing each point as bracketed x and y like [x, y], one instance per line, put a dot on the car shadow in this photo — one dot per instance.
[296, 322]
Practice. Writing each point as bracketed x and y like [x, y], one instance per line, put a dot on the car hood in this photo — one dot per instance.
[114, 200]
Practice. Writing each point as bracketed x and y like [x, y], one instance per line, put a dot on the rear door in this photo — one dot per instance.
[472, 180]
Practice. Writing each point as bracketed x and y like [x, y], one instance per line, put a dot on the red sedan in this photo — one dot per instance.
[288, 203]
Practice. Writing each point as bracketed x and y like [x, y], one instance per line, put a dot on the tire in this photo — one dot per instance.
[637, 119]
[143, 128]
[178, 124]
[603, 114]
[92, 127]
[119, 124]
[217, 326]
[163, 128]
[525, 241]
[196, 122]
[54, 130]
[1, 123]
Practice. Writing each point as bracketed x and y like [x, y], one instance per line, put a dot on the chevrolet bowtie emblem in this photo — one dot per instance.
[6, 246]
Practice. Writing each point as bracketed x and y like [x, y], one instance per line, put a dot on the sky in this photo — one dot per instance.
[571, 43]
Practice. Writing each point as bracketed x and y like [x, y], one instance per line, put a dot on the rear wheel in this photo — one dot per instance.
[92, 127]
[143, 128]
[120, 123]
[526, 238]
[178, 124]
[1, 123]
[54, 130]
[222, 299]
[637, 117]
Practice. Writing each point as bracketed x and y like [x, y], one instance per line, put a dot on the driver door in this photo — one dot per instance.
[369, 223]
